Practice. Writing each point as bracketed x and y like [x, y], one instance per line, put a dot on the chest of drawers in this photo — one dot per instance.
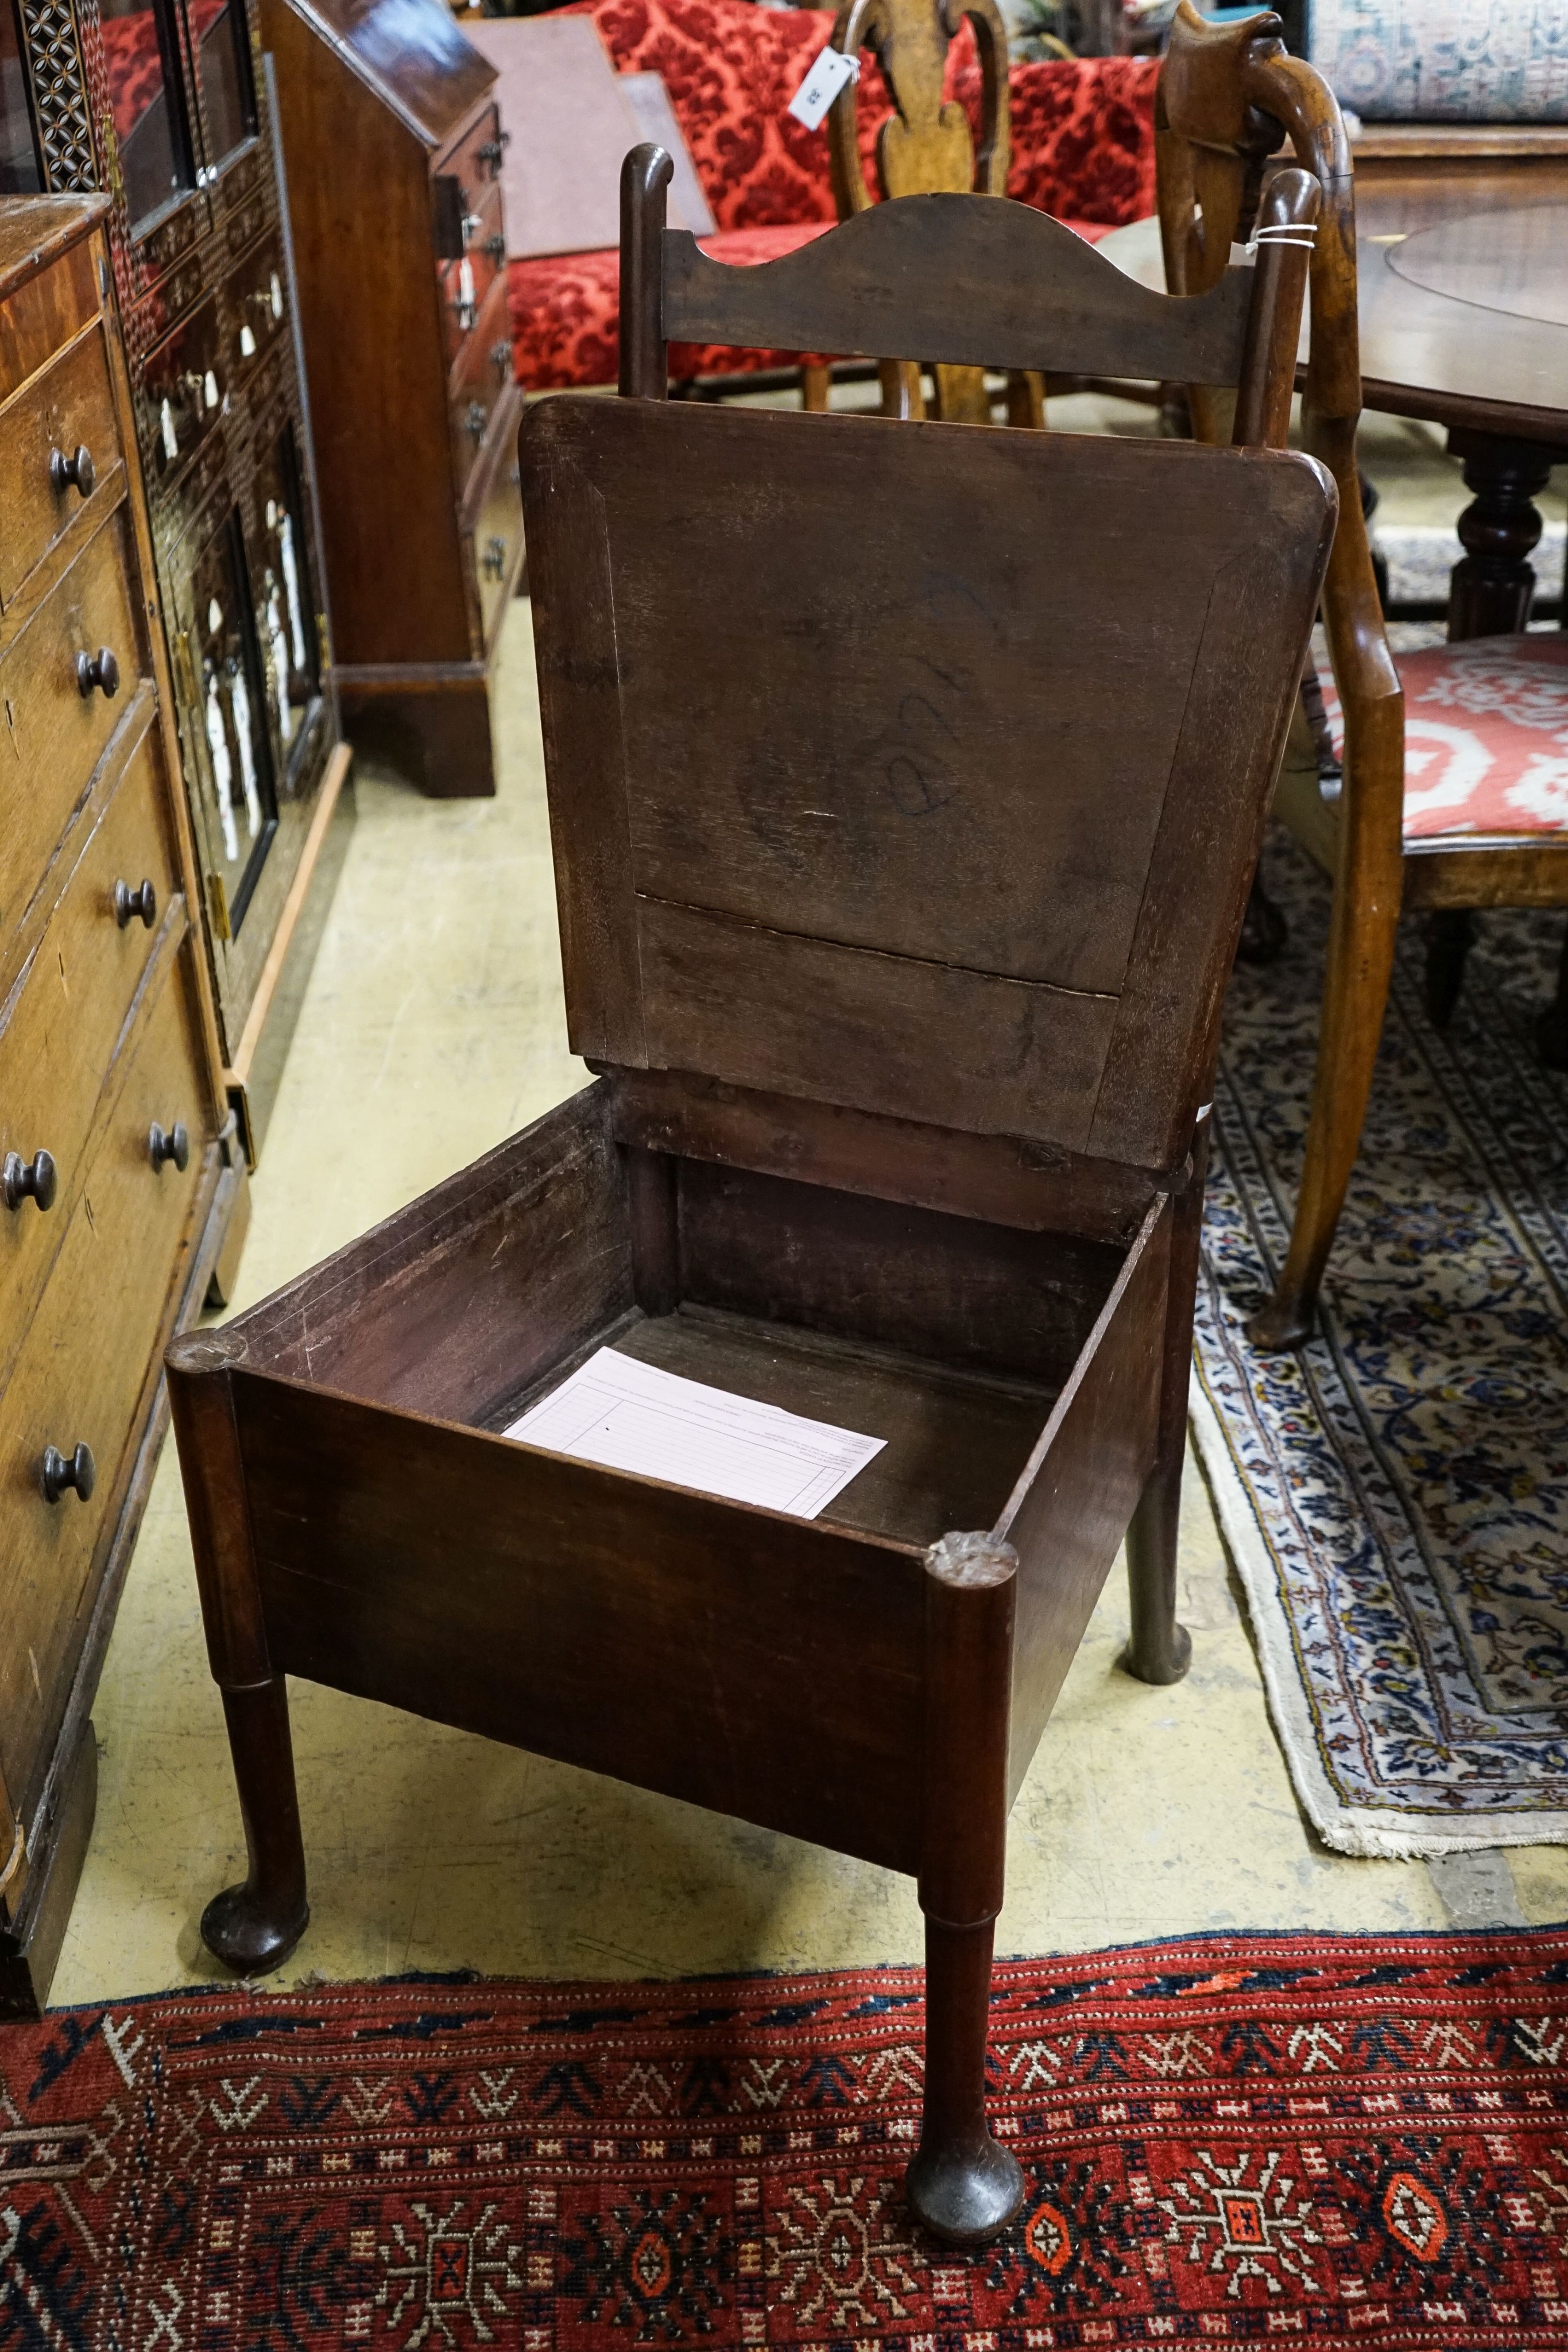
[164, 105]
[122, 1181]
[408, 356]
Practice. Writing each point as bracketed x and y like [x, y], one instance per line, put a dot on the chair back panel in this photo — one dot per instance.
[920, 772]
[991, 285]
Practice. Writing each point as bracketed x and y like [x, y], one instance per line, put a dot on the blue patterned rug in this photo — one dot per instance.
[1395, 1496]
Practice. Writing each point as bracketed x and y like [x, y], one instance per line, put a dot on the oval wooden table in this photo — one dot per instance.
[1463, 312]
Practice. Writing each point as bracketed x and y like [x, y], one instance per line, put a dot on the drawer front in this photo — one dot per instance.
[254, 306]
[464, 291]
[80, 1374]
[69, 407]
[65, 1024]
[53, 734]
[474, 161]
[180, 393]
[47, 312]
[478, 382]
[497, 528]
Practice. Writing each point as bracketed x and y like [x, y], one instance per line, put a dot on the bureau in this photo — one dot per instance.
[122, 1185]
[164, 106]
[409, 354]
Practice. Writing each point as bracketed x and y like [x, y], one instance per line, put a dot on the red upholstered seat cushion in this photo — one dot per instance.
[1083, 147]
[1486, 736]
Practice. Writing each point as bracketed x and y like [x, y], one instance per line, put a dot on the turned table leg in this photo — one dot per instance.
[1492, 587]
[255, 1925]
[963, 2184]
[1159, 1649]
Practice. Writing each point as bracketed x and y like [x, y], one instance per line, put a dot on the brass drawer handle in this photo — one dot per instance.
[174, 1145]
[99, 669]
[478, 416]
[80, 1471]
[130, 902]
[492, 151]
[22, 1181]
[495, 246]
[494, 558]
[501, 361]
[72, 473]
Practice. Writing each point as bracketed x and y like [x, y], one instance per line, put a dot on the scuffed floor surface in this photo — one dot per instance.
[432, 1028]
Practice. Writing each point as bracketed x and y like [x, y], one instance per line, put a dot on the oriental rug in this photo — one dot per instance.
[1395, 1496]
[1341, 2141]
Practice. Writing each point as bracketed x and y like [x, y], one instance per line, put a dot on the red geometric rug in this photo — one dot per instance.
[1341, 2141]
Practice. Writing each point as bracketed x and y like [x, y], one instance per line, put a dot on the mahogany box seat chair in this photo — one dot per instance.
[904, 787]
[1229, 96]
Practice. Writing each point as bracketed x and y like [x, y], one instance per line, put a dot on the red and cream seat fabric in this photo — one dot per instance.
[1486, 736]
[1082, 148]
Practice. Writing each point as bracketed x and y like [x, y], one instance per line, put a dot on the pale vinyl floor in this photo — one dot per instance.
[434, 1027]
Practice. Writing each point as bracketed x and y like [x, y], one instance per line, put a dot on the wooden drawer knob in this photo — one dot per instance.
[99, 669]
[77, 473]
[78, 1469]
[131, 901]
[174, 1144]
[21, 1180]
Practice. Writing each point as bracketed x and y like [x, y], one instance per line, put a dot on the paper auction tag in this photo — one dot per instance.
[830, 72]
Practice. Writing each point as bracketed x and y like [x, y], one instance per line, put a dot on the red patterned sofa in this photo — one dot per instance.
[1082, 148]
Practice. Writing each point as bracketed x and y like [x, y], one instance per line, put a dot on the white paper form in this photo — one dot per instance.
[630, 1416]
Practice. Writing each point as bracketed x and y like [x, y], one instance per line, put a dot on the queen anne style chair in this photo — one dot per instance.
[1452, 787]
[898, 882]
[925, 146]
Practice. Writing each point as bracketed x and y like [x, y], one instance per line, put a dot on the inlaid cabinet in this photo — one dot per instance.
[163, 105]
[409, 355]
[122, 1185]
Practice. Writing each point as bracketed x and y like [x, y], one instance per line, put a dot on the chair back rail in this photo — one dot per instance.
[985, 285]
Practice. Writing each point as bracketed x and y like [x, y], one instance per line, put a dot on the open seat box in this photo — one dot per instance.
[904, 808]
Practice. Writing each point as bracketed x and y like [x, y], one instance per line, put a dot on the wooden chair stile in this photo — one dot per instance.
[1230, 99]
[899, 872]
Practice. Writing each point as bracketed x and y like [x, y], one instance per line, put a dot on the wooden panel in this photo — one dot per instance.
[998, 1179]
[994, 285]
[1070, 1511]
[911, 1038]
[373, 349]
[44, 307]
[466, 1296]
[80, 1374]
[62, 1026]
[67, 407]
[53, 734]
[951, 1288]
[866, 804]
[414, 59]
[765, 1666]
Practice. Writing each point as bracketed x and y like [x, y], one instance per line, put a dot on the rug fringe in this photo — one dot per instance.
[1367, 1831]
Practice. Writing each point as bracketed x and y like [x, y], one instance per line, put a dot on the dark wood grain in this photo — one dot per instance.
[996, 285]
[1071, 1508]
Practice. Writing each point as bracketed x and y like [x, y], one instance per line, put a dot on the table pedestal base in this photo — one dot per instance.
[1492, 589]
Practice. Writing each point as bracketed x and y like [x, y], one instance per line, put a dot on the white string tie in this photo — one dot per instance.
[1303, 234]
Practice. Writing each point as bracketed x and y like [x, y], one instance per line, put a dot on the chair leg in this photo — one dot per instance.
[814, 384]
[962, 2184]
[254, 1926]
[1264, 930]
[1160, 1650]
[1552, 1028]
[1362, 935]
[1450, 932]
